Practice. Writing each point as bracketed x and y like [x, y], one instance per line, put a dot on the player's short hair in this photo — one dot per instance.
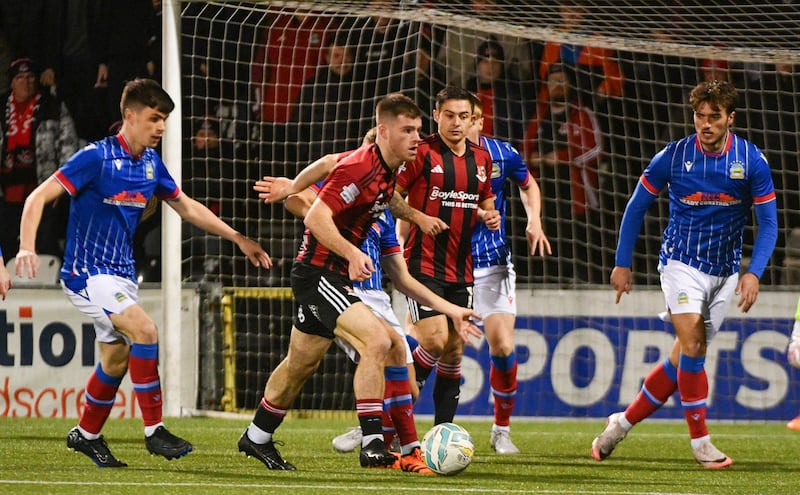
[718, 94]
[476, 102]
[141, 92]
[453, 93]
[396, 104]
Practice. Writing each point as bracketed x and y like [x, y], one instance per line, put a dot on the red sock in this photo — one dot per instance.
[397, 403]
[389, 431]
[143, 366]
[503, 380]
[693, 386]
[101, 392]
[658, 386]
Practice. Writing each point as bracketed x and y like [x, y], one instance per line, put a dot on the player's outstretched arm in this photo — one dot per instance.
[396, 268]
[531, 197]
[203, 218]
[27, 261]
[274, 189]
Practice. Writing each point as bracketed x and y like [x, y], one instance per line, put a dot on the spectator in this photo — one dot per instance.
[460, 43]
[37, 135]
[425, 78]
[290, 52]
[69, 65]
[217, 45]
[500, 94]
[711, 69]
[120, 34]
[382, 44]
[327, 116]
[215, 178]
[563, 146]
[594, 72]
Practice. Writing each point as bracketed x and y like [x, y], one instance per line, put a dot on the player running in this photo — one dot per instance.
[110, 183]
[495, 288]
[714, 179]
[356, 193]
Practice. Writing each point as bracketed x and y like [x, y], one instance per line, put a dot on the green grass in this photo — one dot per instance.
[654, 459]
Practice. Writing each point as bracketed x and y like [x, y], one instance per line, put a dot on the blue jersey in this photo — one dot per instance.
[490, 247]
[381, 241]
[110, 190]
[710, 200]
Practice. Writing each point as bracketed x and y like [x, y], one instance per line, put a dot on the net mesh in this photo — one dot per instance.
[282, 83]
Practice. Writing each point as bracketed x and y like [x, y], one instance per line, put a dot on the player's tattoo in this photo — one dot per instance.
[400, 208]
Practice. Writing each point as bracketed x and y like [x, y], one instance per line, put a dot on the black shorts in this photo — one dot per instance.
[458, 294]
[321, 297]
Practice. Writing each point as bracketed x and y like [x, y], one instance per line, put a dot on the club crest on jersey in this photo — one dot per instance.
[148, 170]
[481, 174]
[736, 171]
[495, 170]
[683, 297]
[119, 296]
[349, 193]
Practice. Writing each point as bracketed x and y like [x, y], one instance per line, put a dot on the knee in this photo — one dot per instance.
[143, 331]
[380, 347]
[451, 355]
[694, 348]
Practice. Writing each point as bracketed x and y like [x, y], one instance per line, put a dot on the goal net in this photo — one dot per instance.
[270, 86]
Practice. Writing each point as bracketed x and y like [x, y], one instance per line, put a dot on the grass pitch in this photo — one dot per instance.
[655, 459]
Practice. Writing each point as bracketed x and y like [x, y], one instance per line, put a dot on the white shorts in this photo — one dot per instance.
[380, 304]
[103, 295]
[495, 290]
[688, 290]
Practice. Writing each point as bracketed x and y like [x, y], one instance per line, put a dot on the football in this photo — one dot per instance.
[447, 449]
[793, 353]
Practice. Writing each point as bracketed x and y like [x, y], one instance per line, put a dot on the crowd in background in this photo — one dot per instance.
[267, 91]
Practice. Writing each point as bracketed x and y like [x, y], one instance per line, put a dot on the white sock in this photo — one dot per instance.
[624, 423]
[149, 430]
[697, 442]
[257, 435]
[87, 435]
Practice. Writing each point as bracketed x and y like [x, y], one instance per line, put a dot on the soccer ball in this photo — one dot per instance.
[447, 449]
[793, 353]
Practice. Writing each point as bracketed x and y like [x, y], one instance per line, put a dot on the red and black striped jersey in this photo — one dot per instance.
[441, 184]
[357, 191]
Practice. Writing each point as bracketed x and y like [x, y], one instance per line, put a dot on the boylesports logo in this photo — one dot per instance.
[437, 193]
[710, 199]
